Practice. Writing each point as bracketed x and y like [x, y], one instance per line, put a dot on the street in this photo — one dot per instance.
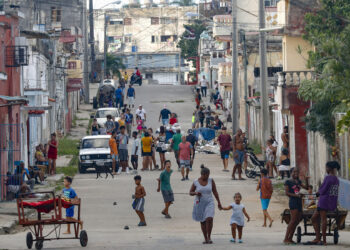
[104, 222]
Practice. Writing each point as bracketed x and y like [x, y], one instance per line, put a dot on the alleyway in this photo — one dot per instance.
[105, 222]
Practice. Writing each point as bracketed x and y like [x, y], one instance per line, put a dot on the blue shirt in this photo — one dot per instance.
[131, 92]
[165, 113]
[68, 194]
[128, 118]
[119, 93]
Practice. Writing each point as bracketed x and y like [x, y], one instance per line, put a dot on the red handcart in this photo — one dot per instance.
[49, 213]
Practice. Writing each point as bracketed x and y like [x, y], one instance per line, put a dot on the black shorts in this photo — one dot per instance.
[123, 154]
[134, 158]
[147, 154]
[225, 154]
[296, 204]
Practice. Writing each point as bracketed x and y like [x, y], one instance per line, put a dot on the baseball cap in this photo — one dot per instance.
[190, 131]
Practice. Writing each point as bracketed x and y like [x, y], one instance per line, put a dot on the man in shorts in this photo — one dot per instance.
[185, 153]
[225, 143]
[131, 95]
[123, 141]
[175, 141]
[238, 154]
[164, 186]
[194, 142]
[114, 150]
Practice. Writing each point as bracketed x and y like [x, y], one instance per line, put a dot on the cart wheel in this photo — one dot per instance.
[299, 234]
[83, 238]
[335, 236]
[29, 240]
[39, 244]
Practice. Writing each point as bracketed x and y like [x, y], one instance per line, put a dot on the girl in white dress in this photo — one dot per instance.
[237, 218]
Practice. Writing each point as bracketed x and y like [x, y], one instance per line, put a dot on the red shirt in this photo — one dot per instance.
[138, 72]
[173, 121]
[225, 142]
[185, 151]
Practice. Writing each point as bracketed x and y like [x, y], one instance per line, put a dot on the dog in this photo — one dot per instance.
[103, 169]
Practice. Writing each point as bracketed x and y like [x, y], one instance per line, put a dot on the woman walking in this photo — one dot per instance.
[204, 206]
[150, 131]
[52, 154]
[161, 148]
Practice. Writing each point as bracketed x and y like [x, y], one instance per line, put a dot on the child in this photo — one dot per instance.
[139, 124]
[164, 185]
[139, 201]
[310, 199]
[135, 151]
[266, 189]
[69, 194]
[237, 218]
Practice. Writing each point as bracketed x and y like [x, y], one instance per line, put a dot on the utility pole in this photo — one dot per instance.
[263, 74]
[245, 64]
[92, 36]
[105, 47]
[235, 122]
[86, 56]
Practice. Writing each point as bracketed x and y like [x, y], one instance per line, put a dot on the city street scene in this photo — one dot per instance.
[184, 124]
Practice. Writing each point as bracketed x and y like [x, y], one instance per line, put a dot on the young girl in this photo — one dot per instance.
[237, 218]
[139, 124]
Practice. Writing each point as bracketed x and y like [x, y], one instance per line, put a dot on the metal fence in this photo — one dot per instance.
[10, 151]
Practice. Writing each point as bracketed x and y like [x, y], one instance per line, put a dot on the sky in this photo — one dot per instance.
[100, 3]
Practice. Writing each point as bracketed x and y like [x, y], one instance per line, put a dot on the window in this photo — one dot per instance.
[114, 22]
[149, 76]
[127, 39]
[127, 21]
[164, 38]
[271, 3]
[55, 14]
[72, 65]
[153, 39]
[271, 71]
[154, 20]
[110, 39]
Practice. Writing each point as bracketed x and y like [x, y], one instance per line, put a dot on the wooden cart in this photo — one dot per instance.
[49, 215]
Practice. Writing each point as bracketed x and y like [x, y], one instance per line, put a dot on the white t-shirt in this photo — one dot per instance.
[136, 143]
[204, 83]
[141, 113]
[237, 214]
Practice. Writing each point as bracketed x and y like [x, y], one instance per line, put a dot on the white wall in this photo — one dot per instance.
[166, 78]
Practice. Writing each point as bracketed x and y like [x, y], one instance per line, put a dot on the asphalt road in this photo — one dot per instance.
[105, 222]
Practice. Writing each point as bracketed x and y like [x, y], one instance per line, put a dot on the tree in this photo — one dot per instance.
[328, 30]
[184, 2]
[114, 65]
[190, 38]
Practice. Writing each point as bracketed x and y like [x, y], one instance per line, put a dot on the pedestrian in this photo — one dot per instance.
[123, 141]
[109, 125]
[196, 116]
[185, 153]
[269, 157]
[131, 95]
[129, 121]
[175, 141]
[141, 113]
[237, 218]
[208, 117]
[139, 200]
[116, 125]
[139, 123]
[204, 86]
[165, 187]
[198, 97]
[119, 97]
[150, 131]
[95, 127]
[292, 190]
[161, 146]
[114, 151]
[193, 119]
[173, 119]
[201, 116]
[147, 151]
[164, 115]
[327, 202]
[284, 167]
[52, 154]
[238, 154]
[204, 206]
[69, 195]
[194, 142]
[285, 138]
[266, 190]
[126, 77]
[121, 121]
[225, 142]
[135, 151]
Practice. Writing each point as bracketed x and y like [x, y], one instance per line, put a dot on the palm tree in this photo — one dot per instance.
[115, 65]
[184, 2]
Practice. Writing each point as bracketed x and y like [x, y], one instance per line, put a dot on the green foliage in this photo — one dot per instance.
[68, 147]
[184, 2]
[189, 48]
[254, 144]
[115, 65]
[328, 30]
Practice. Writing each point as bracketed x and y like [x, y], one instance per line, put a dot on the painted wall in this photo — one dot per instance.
[292, 59]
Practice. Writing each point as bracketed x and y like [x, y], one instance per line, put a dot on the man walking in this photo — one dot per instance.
[238, 154]
[123, 141]
[164, 115]
[194, 142]
[109, 125]
[165, 187]
[131, 95]
[185, 153]
[114, 151]
[204, 86]
[119, 97]
[175, 145]
[129, 121]
[225, 143]
[140, 112]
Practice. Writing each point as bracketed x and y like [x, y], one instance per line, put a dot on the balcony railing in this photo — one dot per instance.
[293, 78]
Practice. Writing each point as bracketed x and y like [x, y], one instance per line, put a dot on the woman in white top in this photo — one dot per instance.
[204, 207]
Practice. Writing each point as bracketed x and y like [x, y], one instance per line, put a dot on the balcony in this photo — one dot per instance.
[222, 25]
[224, 74]
[293, 78]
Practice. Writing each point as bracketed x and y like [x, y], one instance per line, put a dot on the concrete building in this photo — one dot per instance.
[145, 38]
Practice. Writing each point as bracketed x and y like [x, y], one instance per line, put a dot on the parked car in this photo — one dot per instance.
[94, 151]
[101, 115]
[105, 95]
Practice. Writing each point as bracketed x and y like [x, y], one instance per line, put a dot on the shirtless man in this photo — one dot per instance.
[238, 149]
[285, 138]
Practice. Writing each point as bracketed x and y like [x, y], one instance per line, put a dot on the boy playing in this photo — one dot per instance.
[164, 185]
[135, 151]
[139, 201]
[69, 195]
